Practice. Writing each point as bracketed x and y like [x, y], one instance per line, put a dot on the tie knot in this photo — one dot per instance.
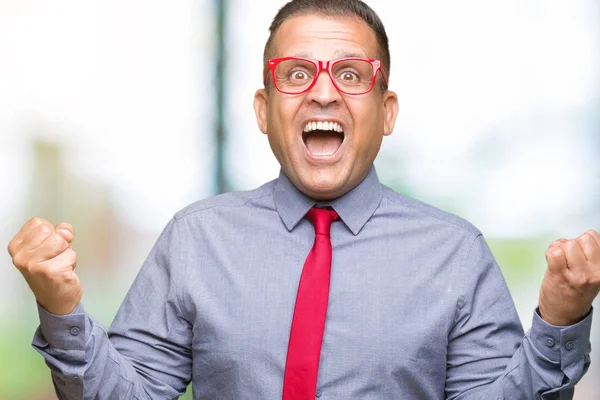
[321, 218]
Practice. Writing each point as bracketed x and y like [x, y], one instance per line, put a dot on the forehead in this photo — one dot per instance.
[325, 38]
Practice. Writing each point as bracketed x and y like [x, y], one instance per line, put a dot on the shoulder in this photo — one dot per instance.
[414, 209]
[238, 199]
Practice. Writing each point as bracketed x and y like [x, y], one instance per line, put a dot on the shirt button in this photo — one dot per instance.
[76, 378]
[319, 393]
[569, 345]
[550, 342]
[75, 330]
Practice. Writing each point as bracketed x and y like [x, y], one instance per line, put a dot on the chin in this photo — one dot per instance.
[324, 191]
[323, 183]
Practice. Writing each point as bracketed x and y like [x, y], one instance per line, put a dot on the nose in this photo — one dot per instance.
[323, 92]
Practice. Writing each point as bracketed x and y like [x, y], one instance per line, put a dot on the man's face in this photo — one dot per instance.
[325, 165]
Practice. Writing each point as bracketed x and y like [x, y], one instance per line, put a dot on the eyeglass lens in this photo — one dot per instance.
[350, 76]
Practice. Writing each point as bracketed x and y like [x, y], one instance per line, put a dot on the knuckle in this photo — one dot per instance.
[568, 275]
[59, 244]
[571, 245]
[19, 261]
[580, 281]
[65, 225]
[38, 222]
[27, 263]
[46, 272]
[592, 238]
[69, 277]
[44, 229]
[30, 265]
[71, 256]
[35, 221]
[35, 269]
[11, 248]
[573, 281]
[59, 240]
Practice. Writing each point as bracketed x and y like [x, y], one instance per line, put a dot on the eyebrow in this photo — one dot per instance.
[340, 53]
[348, 53]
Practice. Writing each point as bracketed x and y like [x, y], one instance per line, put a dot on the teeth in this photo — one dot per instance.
[324, 126]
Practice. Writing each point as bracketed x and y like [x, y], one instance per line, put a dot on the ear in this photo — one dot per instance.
[261, 102]
[390, 112]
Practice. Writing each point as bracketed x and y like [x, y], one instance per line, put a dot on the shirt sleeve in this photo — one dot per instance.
[489, 356]
[147, 352]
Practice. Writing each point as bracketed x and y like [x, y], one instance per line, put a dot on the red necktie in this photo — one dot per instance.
[306, 335]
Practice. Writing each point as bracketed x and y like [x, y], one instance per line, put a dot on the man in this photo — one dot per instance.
[395, 300]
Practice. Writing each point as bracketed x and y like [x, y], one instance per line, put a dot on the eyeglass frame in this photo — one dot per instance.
[327, 66]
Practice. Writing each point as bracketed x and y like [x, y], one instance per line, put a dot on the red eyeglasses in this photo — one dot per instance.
[351, 75]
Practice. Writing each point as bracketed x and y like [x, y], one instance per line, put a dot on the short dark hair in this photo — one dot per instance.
[330, 8]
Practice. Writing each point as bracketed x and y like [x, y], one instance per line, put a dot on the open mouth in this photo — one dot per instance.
[323, 138]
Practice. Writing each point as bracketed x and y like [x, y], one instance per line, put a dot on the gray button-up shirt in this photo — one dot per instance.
[418, 309]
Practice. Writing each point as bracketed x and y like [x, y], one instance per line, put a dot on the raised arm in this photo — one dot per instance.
[488, 356]
[148, 355]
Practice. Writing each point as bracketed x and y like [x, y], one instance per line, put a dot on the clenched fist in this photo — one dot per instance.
[43, 254]
[572, 279]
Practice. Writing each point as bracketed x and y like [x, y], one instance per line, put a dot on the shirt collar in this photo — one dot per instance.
[354, 208]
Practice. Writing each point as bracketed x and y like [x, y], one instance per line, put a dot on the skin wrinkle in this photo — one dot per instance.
[366, 118]
[219, 266]
[343, 53]
[271, 48]
[331, 36]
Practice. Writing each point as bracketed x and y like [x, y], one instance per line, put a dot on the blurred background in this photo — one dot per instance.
[116, 114]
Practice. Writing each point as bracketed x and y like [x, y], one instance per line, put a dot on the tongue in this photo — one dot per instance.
[323, 143]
